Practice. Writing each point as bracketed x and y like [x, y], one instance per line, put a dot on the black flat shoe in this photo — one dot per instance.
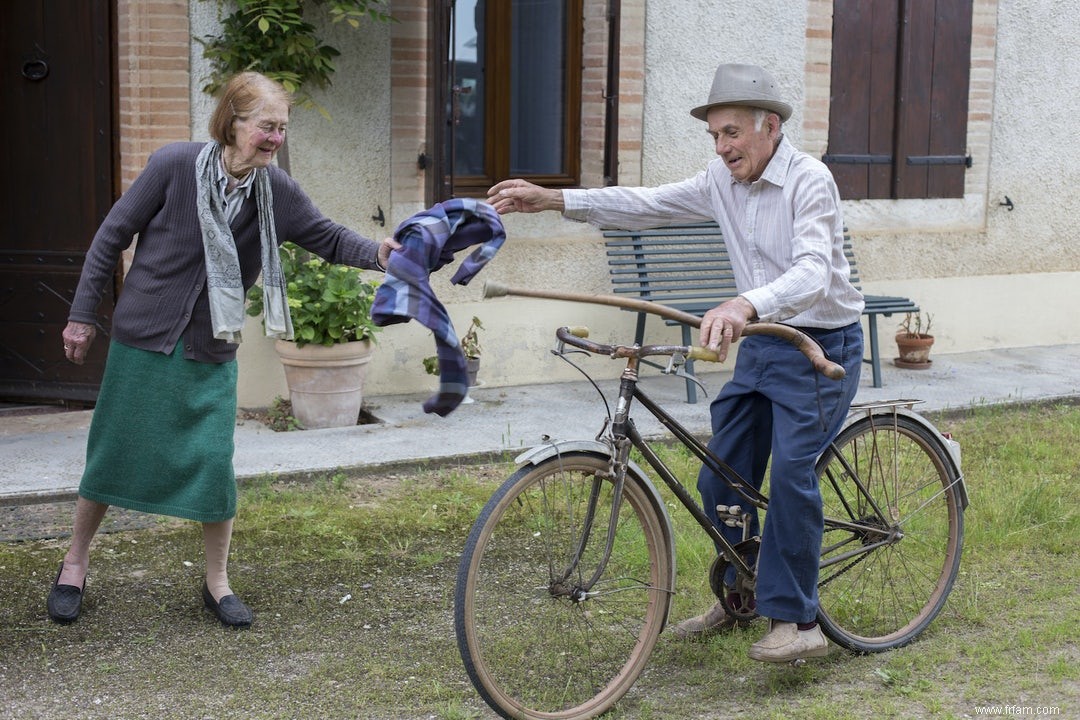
[230, 611]
[65, 601]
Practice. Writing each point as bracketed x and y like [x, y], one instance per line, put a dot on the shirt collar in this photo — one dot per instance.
[245, 185]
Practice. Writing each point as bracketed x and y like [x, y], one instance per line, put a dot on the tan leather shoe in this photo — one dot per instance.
[715, 620]
[785, 642]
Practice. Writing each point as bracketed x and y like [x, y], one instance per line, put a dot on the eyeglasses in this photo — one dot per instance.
[267, 127]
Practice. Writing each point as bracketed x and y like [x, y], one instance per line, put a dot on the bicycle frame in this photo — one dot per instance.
[624, 435]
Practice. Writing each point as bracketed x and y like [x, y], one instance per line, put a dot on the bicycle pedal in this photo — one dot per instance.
[731, 515]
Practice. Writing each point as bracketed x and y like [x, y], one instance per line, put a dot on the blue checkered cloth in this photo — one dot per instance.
[429, 241]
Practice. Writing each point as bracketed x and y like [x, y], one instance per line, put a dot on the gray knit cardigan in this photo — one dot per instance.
[164, 294]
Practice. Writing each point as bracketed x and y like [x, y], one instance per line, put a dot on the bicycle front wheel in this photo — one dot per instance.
[894, 528]
[547, 625]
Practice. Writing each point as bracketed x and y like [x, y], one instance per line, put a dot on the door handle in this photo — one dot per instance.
[35, 70]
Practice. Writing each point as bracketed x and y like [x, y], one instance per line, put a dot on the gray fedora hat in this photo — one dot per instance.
[747, 85]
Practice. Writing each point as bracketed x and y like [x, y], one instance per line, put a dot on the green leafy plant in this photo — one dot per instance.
[470, 345]
[329, 303]
[912, 325]
[274, 38]
[470, 341]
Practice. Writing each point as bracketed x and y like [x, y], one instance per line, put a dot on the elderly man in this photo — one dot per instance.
[779, 211]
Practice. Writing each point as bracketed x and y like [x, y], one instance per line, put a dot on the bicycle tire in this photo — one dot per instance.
[530, 649]
[884, 598]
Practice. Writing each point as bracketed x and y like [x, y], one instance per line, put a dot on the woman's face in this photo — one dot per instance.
[258, 138]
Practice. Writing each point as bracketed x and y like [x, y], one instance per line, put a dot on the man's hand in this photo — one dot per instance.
[77, 340]
[522, 196]
[723, 325]
[386, 247]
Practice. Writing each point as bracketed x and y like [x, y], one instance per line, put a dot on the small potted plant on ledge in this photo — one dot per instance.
[326, 362]
[470, 345]
[913, 342]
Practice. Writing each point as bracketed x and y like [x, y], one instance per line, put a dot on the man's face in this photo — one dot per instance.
[745, 150]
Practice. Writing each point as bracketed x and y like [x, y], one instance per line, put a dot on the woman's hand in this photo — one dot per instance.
[77, 340]
[522, 196]
[386, 247]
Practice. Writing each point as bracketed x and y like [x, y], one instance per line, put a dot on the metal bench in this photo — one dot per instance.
[687, 267]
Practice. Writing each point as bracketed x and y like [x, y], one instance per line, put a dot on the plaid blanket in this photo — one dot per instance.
[429, 241]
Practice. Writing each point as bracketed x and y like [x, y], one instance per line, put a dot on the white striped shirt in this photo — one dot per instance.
[784, 232]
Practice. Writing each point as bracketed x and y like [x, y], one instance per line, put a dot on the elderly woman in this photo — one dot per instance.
[209, 218]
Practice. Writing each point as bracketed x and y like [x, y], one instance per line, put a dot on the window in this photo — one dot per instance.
[510, 95]
[898, 112]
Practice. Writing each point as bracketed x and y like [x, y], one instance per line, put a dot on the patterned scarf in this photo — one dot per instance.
[223, 281]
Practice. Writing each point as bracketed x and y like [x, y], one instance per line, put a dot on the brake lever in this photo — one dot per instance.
[677, 367]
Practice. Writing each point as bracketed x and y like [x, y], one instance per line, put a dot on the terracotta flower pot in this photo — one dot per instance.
[914, 351]
[326, 383]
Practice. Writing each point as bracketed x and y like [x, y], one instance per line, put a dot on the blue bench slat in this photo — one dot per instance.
[687, 267]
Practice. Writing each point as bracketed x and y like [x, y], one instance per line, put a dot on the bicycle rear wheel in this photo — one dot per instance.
[894, 528]
[537, 639]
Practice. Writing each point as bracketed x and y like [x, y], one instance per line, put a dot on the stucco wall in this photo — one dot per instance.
[681, 57]
[991, 277]
[1034, 161]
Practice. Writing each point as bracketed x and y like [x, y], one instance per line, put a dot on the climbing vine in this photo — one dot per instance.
[274, 38]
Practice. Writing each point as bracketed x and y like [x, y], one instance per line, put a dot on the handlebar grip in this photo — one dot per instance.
[700, 353]
[829, 369]
[495, 289]
[578, 331]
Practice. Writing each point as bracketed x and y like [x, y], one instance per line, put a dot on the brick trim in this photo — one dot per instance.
[154, 79]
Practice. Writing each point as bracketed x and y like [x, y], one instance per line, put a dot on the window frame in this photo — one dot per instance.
[497, 117]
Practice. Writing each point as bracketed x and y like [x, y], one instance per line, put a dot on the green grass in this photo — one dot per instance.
[352, 580]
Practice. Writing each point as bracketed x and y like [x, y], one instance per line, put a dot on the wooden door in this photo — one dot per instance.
[56, 92]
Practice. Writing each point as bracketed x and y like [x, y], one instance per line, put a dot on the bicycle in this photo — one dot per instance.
[567, 574]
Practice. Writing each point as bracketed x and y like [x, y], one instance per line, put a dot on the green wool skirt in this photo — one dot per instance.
[161, 437]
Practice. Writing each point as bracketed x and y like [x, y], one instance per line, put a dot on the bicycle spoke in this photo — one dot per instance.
[890, 558]
[535, 637]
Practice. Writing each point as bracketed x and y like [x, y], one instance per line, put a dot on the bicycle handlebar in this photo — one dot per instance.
[803, 342]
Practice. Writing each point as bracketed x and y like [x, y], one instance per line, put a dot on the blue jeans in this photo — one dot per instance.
[777, 404]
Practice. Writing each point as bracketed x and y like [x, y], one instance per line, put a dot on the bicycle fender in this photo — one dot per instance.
[540, 453]
[536, 455]
[950, 447]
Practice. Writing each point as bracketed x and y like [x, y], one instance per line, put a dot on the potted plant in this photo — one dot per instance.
[470, 345]
[326, 362]
[913, 342]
